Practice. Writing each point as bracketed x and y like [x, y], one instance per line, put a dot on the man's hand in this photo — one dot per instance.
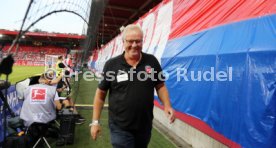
[169, 113]
[163, 95]
[95, 131]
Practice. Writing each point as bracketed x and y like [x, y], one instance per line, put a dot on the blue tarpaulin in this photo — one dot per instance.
[226, 76]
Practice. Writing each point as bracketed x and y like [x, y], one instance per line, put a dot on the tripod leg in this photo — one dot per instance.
[46, 142]
[37, 142]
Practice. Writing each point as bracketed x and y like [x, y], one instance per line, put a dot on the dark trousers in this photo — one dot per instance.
[128, 139]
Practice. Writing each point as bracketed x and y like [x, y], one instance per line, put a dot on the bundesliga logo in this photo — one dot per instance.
[38, 95]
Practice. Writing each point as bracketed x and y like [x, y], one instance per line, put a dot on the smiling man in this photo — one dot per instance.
[131, 93]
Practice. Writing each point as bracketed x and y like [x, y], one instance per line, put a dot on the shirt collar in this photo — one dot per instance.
[123, 60]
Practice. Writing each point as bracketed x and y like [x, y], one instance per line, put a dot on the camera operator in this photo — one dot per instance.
[40, 102]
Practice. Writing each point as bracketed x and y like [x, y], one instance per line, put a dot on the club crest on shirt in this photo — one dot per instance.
[38, 95]
[148, 69]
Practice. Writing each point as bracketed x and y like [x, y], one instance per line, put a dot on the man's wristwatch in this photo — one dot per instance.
[94, 122]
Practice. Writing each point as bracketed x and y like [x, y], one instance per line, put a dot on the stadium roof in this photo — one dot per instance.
[119, 13]
[42, 35]
[57, 39]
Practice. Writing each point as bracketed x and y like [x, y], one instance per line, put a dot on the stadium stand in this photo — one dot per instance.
[34, 56]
